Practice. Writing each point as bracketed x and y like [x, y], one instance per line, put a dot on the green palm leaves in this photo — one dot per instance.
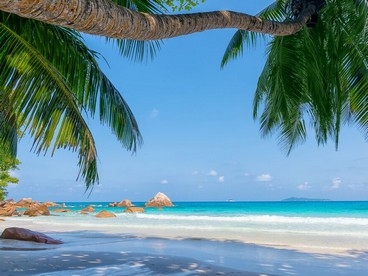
[317, 77]
[138, 50]
[49, 78]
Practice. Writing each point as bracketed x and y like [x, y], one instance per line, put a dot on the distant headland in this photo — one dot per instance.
[304, 199]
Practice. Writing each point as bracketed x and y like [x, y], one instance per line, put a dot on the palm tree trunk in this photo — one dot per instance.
[103, 17]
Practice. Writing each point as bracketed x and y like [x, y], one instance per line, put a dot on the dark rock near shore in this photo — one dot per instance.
[23, 234]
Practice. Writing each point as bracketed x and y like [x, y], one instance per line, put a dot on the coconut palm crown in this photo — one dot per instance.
[316, 77]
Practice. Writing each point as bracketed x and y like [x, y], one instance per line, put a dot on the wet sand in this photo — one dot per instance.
[91, 252]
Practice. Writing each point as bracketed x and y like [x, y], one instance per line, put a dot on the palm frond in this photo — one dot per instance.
[135, 50]
[319, 76]
[8, 131]
[277, 11]
[93, 90]
[283, 101]
[76, 68]
[37, 90]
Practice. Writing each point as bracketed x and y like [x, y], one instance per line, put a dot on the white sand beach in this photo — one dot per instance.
[91, 252]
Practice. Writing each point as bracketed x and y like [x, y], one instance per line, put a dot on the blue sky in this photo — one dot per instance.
[200, 141]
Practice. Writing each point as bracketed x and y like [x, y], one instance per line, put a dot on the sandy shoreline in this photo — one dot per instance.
[91, 252]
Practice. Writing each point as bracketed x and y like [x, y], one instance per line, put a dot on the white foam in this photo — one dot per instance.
[262, 219]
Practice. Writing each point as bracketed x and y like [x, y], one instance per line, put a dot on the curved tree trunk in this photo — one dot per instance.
[103, 17]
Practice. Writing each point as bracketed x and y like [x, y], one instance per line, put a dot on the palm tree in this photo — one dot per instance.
[315, 77]
[50, 81]
[116, 21]
[318, 71]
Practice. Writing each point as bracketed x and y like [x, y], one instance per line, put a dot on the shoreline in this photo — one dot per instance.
[305, 243]
[128, 254]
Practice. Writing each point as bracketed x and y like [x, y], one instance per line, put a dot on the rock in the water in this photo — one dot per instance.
[51, 204]
[61, 210]
[23, 234]
[37, 210]
[2, 219]
[125, 203]
[105, 214]
[134, 210]
[88, 209]
[160, 200]
[24, 203]
[84, 212]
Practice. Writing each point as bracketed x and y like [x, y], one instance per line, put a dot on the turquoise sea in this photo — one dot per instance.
[245, 221]
[269, 237]
[317, 209]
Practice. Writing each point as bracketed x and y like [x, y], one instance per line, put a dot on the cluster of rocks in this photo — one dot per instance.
[33, 208]
[159, 200]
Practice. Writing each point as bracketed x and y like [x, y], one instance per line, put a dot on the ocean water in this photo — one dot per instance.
[338, 225]
[266, 237]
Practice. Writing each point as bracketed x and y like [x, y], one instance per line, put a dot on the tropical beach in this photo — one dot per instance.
[194, 137]
[194, 238]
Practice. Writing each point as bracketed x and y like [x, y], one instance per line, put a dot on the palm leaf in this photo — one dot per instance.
[8, 132]
[94, 91]
[277, 11]
[318, 76]
[37, 90]
[134, 49]
[76, 65]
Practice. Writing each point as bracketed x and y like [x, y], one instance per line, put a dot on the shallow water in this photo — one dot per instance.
[313, 226]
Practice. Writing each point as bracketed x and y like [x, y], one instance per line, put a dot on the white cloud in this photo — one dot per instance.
[212, 173]
[264, 177]
[164, 181]
[304, 187]
[221, 179]
[246, 174]
[336, 182]
[154, 113]
[195, 172]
